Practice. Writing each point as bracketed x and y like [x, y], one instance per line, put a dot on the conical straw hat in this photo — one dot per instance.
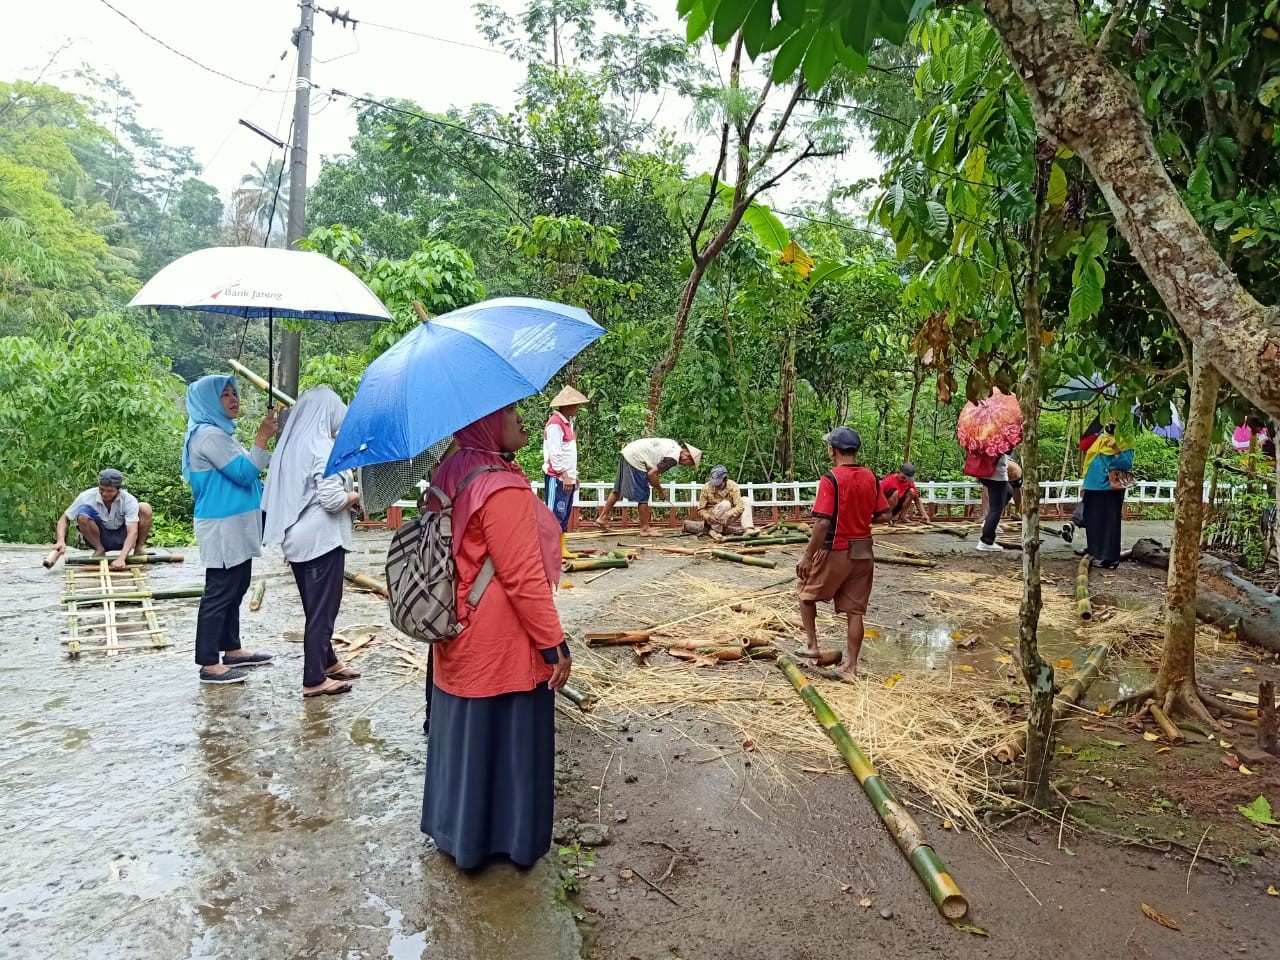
[568, 397]
[694, 452]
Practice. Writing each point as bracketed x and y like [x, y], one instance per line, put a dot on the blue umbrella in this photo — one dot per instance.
[453, 370]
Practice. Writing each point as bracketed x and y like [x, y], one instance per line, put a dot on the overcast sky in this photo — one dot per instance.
[245, 39]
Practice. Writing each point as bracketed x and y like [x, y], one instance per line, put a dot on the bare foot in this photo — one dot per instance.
[847, 670]
[649, 532]
[99, 553]
[602, 525]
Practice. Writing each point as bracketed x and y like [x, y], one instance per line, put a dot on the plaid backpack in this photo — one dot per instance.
[421, 574]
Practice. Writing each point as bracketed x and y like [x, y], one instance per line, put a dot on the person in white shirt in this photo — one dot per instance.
[560, 458]
[640, 469]
[108, 517]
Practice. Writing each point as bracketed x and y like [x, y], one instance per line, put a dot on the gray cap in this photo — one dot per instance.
[845, 439]
[110, 477]
[719, 475]
[907, 470]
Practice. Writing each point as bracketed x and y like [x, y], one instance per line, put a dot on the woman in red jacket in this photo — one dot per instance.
[491, 756]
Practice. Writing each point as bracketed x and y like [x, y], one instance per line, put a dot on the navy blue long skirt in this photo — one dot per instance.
[490, 783]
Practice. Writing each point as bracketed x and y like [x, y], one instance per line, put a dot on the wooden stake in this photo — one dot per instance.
[928, 866]
[366, 583]
[1267, 716]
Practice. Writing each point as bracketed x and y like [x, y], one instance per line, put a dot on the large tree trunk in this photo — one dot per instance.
[657, 379]
[1037, 673]
[1177, 676]
[917, 374]
[1080, 98]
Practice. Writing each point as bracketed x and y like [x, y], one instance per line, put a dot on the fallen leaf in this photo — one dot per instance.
[1246, 771]
[1246, 669]
[1089, 755]
[1065, 664]
[1066, 750]
[1260, 812]
[1078, 794]
[1149, 736]
[748, 745]
[970, 928]
[1230, 760]
[948, 825]
[864, 902]
[1004, 659]
[1103, 710]
[1272, 891]
[566, 584]
[1092, 727]
[1224, 745]
[892, 680]
[871, 632]
[1164, 750]
[957, 634]
[964, 668]
[1068, 851]
[1152, 914]
[626, 873]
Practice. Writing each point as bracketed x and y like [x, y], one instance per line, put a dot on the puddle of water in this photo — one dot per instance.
[402, 946]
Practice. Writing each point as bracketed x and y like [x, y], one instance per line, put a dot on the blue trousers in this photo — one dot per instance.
[558, 499]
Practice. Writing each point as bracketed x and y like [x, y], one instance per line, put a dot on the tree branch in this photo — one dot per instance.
[714, 191]
[1116, 14]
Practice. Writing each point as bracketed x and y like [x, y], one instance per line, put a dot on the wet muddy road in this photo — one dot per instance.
[144, 815]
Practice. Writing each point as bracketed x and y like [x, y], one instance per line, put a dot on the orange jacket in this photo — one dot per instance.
[498, 651]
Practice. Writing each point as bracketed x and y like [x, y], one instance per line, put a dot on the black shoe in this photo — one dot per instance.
[252, 660]
[227, 676]
[1068, 531]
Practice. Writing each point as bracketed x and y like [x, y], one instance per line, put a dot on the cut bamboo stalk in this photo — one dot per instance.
[928, 866]
[739, 558]
[131, 559]
[365, 582]
[682, 551]
[595, 563]
[134, 595]
[583, 701]
[701, 643]
[763, 653]
[261, 384]
[255, 596]
[627, 555]
[148, 608]
[905, 551]
[1069, 694]
[906, 561]
[1083, 606]
[1167, 726]
[50, 559]
[753, 551]
[763, 541]
[620, 638]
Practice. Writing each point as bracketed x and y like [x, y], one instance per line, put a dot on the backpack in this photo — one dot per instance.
[421, 574]
[979, 465]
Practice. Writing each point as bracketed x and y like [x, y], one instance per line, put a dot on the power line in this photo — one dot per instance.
[151, 36]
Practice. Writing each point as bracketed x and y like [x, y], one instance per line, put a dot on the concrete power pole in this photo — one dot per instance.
[291, 342]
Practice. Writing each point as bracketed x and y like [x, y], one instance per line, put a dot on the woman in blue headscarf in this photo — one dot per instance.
[226, 485]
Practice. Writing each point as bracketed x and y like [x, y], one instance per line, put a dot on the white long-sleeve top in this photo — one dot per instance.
[559, 454]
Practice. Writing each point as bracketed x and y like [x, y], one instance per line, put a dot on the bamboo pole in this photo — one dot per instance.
[905, 831]
[595, 563]
[50, 559]
[763, 541]
[620, 638]
[1083, 605]
[261, 384]
[148, 558]
[583, 701]
[1069, 694]
[365, 582]
[256, 594]
[906, 561]
[739, 558]
[175, 594]
[1167, 727]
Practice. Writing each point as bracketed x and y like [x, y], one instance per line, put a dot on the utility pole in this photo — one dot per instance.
[291, 342]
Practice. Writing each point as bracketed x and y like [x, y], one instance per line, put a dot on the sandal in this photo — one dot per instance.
[341, 671]
[327, 689]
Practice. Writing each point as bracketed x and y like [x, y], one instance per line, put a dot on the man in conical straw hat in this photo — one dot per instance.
[560, 457]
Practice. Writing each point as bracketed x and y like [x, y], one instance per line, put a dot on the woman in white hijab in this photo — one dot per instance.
[309, 516]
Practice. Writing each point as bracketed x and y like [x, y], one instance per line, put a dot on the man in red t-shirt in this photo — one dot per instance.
[900, 490]
[838, 562]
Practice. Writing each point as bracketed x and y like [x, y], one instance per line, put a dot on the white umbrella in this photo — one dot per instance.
[261, 282]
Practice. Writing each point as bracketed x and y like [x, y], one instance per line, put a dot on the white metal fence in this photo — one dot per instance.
[959, 493]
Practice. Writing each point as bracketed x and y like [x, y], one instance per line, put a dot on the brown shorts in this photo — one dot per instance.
[836, 577]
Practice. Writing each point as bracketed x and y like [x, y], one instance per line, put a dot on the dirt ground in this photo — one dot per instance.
[143, 815]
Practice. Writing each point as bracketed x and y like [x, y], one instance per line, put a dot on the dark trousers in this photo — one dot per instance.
[999, 493]
[320, 586]
[1103, 514]
[218, 622]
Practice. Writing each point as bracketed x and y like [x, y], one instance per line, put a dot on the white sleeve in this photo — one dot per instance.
[77, 503]
[558, 456]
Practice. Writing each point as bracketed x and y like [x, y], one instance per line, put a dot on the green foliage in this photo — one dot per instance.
[1259, 811]
[73, 400]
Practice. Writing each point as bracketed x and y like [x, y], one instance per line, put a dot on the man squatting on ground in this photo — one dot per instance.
[720, 506]
[640, 469]
[838, 562]
[108, 517]
[899, 488]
